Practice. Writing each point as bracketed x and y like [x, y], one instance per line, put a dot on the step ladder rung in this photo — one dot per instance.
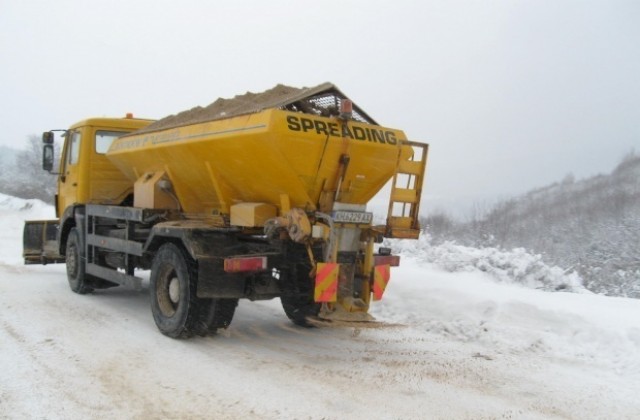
[406, 225]
[404, 195]
[401, 233]
[410, 167]
[400, 222]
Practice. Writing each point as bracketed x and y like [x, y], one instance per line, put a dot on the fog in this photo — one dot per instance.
[511, 95]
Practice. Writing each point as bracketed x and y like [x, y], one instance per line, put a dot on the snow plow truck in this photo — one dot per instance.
[256, 197]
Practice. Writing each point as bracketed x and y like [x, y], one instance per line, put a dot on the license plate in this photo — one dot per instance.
[358, 217]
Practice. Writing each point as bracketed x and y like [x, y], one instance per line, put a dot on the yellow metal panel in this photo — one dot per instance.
[285, 203]
[400, 222]
[147, 194]
[410, 167]
[401, 233]
[258, 157]
[224, 206]
[252, 214]
[403, 195]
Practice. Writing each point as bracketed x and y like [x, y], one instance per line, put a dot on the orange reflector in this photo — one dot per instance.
[381, 275]
[243, 264]
[346, 106]
[392, 260]
[326, 282]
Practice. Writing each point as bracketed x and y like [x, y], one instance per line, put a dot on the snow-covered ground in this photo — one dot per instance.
[470, 345]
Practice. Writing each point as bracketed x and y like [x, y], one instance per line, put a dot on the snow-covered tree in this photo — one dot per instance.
[25, 177]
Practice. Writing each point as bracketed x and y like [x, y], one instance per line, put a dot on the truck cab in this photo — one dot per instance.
[85, 176]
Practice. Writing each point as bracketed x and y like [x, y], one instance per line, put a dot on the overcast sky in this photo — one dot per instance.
[511, 95]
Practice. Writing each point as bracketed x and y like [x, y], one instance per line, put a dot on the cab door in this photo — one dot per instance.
[69, 172]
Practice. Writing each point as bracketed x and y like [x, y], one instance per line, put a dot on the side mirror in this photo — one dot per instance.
[47, 155]
[47, 137]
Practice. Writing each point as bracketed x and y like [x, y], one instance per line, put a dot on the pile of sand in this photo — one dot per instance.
[248, 103]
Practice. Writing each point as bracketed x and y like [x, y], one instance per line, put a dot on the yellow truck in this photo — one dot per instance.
[256, 197]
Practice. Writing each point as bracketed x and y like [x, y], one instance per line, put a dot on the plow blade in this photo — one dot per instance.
[39, 242]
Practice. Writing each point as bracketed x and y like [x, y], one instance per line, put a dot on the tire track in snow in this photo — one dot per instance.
[106, 347]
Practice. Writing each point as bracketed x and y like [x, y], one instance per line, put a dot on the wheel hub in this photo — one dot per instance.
[174, 290]
[71, 263]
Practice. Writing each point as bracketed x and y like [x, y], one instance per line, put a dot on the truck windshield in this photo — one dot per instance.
[105, 138]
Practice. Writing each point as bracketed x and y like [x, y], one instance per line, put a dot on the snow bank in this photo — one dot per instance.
[515, 267]
[13, 212]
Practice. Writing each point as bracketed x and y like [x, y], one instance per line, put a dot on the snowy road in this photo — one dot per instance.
[469, 348]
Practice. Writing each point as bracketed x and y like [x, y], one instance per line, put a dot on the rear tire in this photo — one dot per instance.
[298, 310]
[177, 311]
[173, 301]
[79, 281]
[300, 306]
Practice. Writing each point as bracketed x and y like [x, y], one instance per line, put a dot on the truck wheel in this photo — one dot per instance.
[174, 303]
[300, 307]
[78, 281]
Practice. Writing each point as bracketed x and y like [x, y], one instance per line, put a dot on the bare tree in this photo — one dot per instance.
[26, 179]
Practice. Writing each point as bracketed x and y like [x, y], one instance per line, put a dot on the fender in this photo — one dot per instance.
[208, 246]
[71, 217]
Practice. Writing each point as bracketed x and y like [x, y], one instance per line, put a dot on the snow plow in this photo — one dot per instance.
[256, 197]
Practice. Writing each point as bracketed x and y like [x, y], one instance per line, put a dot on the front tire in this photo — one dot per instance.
[78, 279]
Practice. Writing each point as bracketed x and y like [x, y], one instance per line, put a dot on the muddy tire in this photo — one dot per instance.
[299, 305]
[172, 289]
[79, 281]
[177, 310]
[299, 310]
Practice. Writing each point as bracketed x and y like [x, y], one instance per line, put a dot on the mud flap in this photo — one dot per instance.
[39, 242]
[213, 282]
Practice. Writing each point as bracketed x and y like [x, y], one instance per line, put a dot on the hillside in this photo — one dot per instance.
[590, 226]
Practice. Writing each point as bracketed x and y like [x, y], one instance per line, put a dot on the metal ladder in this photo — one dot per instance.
[404, 202]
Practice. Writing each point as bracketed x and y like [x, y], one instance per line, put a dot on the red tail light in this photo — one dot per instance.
[391, 260]
[244, 264]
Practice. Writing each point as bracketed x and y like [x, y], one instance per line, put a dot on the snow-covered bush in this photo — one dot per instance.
[590, 226]
[515, 266]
